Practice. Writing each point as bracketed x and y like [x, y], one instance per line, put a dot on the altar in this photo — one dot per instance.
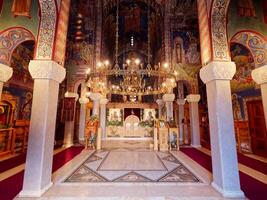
[130, 120]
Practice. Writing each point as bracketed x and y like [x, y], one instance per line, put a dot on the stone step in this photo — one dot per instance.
[127, 143]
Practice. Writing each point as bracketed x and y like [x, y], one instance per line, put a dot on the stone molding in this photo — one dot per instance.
[83, 100]
[193, 98]
[5, 72]
[103, 101]
[259, 75]
[72, 94]
[168, 97]
[160, 102]
[47, 69]
[95, 96]
[180, 102]
[217, 71]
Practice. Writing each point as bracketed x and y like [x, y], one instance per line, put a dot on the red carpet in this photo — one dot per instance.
[252, 163]
[11, 186]
[12, 162]
[253, 189]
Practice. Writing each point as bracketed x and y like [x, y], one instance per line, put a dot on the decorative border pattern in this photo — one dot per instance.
[89, 170]
[47, 30]
[61, 35]
[256, 43]
[10, 39]
[218, 30]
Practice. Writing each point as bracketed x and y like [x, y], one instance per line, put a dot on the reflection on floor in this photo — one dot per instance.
[132, 165]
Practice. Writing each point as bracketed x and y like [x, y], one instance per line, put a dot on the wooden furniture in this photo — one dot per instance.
[7, 108]
[6, 136]
[243, 141]
[21, 134]
[257, 127]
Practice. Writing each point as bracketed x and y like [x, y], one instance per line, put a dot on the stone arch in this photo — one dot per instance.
[255, 42]
[47, 30]
[218, 22]
[10, 39]
[77, 83]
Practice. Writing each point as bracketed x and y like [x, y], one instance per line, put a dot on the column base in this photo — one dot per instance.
[196, 146]
[81, 141]
[228, 193]
[67, 145]
[34, 193]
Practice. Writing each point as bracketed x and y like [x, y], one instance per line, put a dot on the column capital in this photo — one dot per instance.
[72, 94]
[95, 96]
[83, 100]
[5, 72]
[180, 102]
[159, 102]
[47, 69]
[217, 71]
[168, 97]
[259, 75]
[103, 101]
[193, 98]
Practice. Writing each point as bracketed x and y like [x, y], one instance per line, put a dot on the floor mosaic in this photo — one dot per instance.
[131, 165]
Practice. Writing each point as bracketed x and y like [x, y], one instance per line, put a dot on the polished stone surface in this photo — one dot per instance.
[130, 191]
[132, 165]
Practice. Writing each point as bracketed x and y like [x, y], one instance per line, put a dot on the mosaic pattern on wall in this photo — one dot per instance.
[132, 165]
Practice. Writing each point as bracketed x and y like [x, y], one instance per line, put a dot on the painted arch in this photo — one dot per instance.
[10, 39]
[255, 42]
[47, 30]
[218, 17]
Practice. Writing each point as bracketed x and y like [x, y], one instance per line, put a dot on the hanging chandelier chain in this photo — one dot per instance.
[117, 34]
[148, 34]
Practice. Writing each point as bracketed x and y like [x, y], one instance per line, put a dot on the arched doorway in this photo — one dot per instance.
[18, 92]
[248, 111]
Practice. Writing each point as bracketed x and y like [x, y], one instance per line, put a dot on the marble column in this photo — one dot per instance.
[69, 125]
[103, 103]
[5, 74]
[38, 168]
[83, 101]
[193, 100]
[168, 99]
[96, 102]
[160, 105]
[181, 103]
[259, 75]
[217, 76]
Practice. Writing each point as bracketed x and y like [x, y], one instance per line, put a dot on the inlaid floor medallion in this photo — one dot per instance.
[132, 165]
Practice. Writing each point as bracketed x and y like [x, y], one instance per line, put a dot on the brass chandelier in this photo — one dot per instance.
[133, 75]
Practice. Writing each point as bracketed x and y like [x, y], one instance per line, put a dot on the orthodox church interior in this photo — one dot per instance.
[133, 99]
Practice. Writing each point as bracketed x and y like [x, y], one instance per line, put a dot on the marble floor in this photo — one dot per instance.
[132, 165]
[114, 174]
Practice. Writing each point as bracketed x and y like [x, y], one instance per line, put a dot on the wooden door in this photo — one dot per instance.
[257, 127]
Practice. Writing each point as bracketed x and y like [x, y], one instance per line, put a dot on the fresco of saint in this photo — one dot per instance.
[21, 8]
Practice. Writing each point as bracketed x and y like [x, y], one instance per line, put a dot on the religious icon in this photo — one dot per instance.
[178, 53]
[21, 8]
